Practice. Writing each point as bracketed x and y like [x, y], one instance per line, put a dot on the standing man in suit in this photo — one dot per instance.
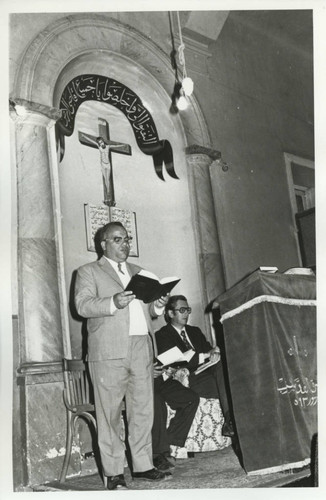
[207, 384]
[120, 357]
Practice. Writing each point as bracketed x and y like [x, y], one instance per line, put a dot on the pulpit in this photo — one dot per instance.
[269, 323]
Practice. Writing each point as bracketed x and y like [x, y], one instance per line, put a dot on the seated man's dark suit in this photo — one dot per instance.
[204, 384]
[182, 399]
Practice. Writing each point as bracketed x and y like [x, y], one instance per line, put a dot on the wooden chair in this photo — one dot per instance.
[78, 402]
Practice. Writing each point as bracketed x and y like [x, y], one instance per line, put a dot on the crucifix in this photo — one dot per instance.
[105, 147]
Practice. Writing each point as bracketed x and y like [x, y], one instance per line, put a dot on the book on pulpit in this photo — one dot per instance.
[268, 269]
[148, 287]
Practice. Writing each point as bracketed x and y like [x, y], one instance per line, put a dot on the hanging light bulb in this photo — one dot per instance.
[182, 103]
[187, 85]
[20, 110]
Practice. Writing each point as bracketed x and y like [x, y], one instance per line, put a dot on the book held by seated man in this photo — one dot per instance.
[174, 356]
[205, 365]
[148, 287]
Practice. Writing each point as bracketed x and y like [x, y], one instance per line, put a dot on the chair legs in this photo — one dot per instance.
[71, 423]
[70, 428]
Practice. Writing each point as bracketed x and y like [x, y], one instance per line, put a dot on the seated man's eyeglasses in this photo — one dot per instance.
[182, 310]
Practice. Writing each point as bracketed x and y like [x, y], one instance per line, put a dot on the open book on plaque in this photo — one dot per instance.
[148, 287]
[174, 355]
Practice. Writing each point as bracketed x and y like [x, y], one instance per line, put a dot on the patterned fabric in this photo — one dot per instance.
[206, 431]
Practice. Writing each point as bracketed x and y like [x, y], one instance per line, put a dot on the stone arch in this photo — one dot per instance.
[52, 56]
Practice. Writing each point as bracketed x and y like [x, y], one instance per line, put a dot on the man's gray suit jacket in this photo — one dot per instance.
[108, 333]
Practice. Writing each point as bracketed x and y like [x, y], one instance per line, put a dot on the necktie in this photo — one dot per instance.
[184, 338]
[120, 269]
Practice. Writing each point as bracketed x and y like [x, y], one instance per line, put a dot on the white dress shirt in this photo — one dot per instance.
[179, 330]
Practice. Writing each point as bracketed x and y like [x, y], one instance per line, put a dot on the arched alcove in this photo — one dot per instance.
[163, 208]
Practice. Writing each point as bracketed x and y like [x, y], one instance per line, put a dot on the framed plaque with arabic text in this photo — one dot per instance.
[96, 216]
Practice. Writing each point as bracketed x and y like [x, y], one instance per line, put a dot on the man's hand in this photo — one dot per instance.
[170, 371]
[214, 354]
[157, 369]
[182, 376]
[122, 299]
[162, 301]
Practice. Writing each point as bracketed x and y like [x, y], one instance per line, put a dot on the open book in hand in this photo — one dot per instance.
[174, 355]
[147, 287]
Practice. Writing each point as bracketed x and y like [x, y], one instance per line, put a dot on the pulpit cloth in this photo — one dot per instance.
[269, 323]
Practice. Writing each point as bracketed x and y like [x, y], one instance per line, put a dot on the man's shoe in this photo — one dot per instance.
[152, 475]
[162, 463]
[227, 429]
[170, 459]
[116, 482]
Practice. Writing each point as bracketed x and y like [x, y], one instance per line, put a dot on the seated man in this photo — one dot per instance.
[207, 384]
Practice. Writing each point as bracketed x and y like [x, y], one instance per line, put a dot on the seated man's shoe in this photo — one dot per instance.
[162, 463]
[170, 459]
[152, 475]
[227, 429]
[116, 482]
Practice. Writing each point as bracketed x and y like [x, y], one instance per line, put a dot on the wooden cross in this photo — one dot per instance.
[106, 147]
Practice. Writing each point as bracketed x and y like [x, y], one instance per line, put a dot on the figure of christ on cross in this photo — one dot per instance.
[106, 147]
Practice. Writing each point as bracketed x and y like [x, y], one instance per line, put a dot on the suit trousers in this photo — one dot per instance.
[130, 378]
[179, 398]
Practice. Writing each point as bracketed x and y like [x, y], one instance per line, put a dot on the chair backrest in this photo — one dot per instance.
[78, 396]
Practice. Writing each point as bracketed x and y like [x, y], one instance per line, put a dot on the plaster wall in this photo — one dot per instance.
[258, 101]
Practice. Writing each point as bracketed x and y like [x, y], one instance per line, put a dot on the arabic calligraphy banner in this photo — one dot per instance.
[270, 348]
[100, 88]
